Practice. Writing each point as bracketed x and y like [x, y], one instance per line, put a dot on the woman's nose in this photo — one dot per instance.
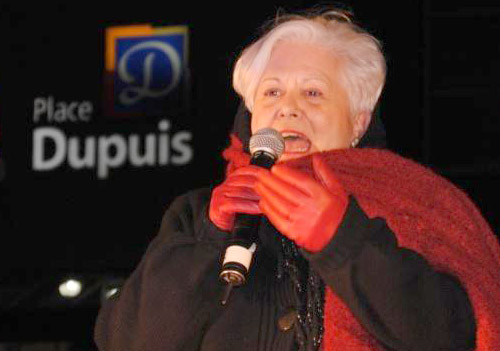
[290, 108]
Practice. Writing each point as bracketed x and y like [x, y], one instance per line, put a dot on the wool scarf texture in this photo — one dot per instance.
[429, 215]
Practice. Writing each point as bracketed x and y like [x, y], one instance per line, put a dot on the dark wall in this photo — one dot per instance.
[439, 107]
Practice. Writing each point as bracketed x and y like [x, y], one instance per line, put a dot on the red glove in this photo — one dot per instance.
[235, 195]
[301, 208]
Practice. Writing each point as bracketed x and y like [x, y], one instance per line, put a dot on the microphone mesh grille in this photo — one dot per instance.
[268, 140]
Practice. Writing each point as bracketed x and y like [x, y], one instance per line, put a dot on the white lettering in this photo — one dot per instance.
[70, 111]
[85, 111]
[135, 92]
[40, 136]
[52, 147]
[88, 158]
[39, 108]
[106, 160]
[163, 143]
[148, 157]
[179, 141]
[61, 111]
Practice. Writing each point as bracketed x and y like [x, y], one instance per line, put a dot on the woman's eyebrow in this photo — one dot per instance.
[270, 79]
[318, 78]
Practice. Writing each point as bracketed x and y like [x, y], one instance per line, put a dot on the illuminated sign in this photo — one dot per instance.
[145, 69]
[55, 148]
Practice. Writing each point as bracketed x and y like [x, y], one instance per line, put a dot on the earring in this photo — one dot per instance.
[355, 142]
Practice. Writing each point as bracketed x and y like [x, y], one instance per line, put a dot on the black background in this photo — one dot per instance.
[440, 107]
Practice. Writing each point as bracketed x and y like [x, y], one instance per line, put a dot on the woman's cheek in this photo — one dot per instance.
[262, 118]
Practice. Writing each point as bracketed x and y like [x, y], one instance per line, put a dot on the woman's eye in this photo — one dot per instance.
[272, 92]
[313, 93]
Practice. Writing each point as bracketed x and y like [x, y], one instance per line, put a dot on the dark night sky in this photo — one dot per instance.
[440, 107]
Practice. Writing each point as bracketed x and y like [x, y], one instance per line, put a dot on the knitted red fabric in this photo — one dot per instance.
[235, 155]
[429, 215]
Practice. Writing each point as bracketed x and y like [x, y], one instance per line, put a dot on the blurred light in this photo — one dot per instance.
[110, 288]
[70, 288]
[110, 292]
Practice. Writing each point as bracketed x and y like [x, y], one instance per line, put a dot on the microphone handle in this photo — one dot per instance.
[245, 229]
[244, 236]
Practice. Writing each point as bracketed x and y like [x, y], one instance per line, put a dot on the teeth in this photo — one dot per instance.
[290, 135]
[295, 142]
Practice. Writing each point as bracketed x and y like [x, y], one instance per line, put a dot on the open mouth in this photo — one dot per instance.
[295, 142]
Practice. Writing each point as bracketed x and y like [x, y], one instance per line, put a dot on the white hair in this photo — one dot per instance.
[363, 67]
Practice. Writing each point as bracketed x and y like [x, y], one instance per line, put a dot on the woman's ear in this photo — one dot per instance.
[361, 123]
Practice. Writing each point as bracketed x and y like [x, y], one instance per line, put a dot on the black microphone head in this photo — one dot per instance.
[267, 140]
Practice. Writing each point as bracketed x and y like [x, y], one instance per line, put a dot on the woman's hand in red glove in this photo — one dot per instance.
[303, 209]
[235, 195]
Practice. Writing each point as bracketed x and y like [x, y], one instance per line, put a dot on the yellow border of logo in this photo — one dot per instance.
[138, 30]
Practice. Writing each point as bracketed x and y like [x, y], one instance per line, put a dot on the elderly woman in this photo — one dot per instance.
[359, 249]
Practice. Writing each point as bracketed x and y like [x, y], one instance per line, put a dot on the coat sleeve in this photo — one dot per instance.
[159, 306]
[393, 291]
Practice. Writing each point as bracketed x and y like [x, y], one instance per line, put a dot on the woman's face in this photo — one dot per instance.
[300, 96]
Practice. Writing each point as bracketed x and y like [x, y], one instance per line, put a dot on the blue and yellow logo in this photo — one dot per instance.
[145, 69]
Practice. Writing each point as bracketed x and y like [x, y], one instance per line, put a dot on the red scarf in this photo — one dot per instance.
[429, 215]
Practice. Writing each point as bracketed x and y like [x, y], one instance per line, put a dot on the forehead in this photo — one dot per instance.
[288, 57]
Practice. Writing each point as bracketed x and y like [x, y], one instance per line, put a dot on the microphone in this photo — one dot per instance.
[266, 147]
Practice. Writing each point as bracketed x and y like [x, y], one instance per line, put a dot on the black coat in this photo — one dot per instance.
[172, 300]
